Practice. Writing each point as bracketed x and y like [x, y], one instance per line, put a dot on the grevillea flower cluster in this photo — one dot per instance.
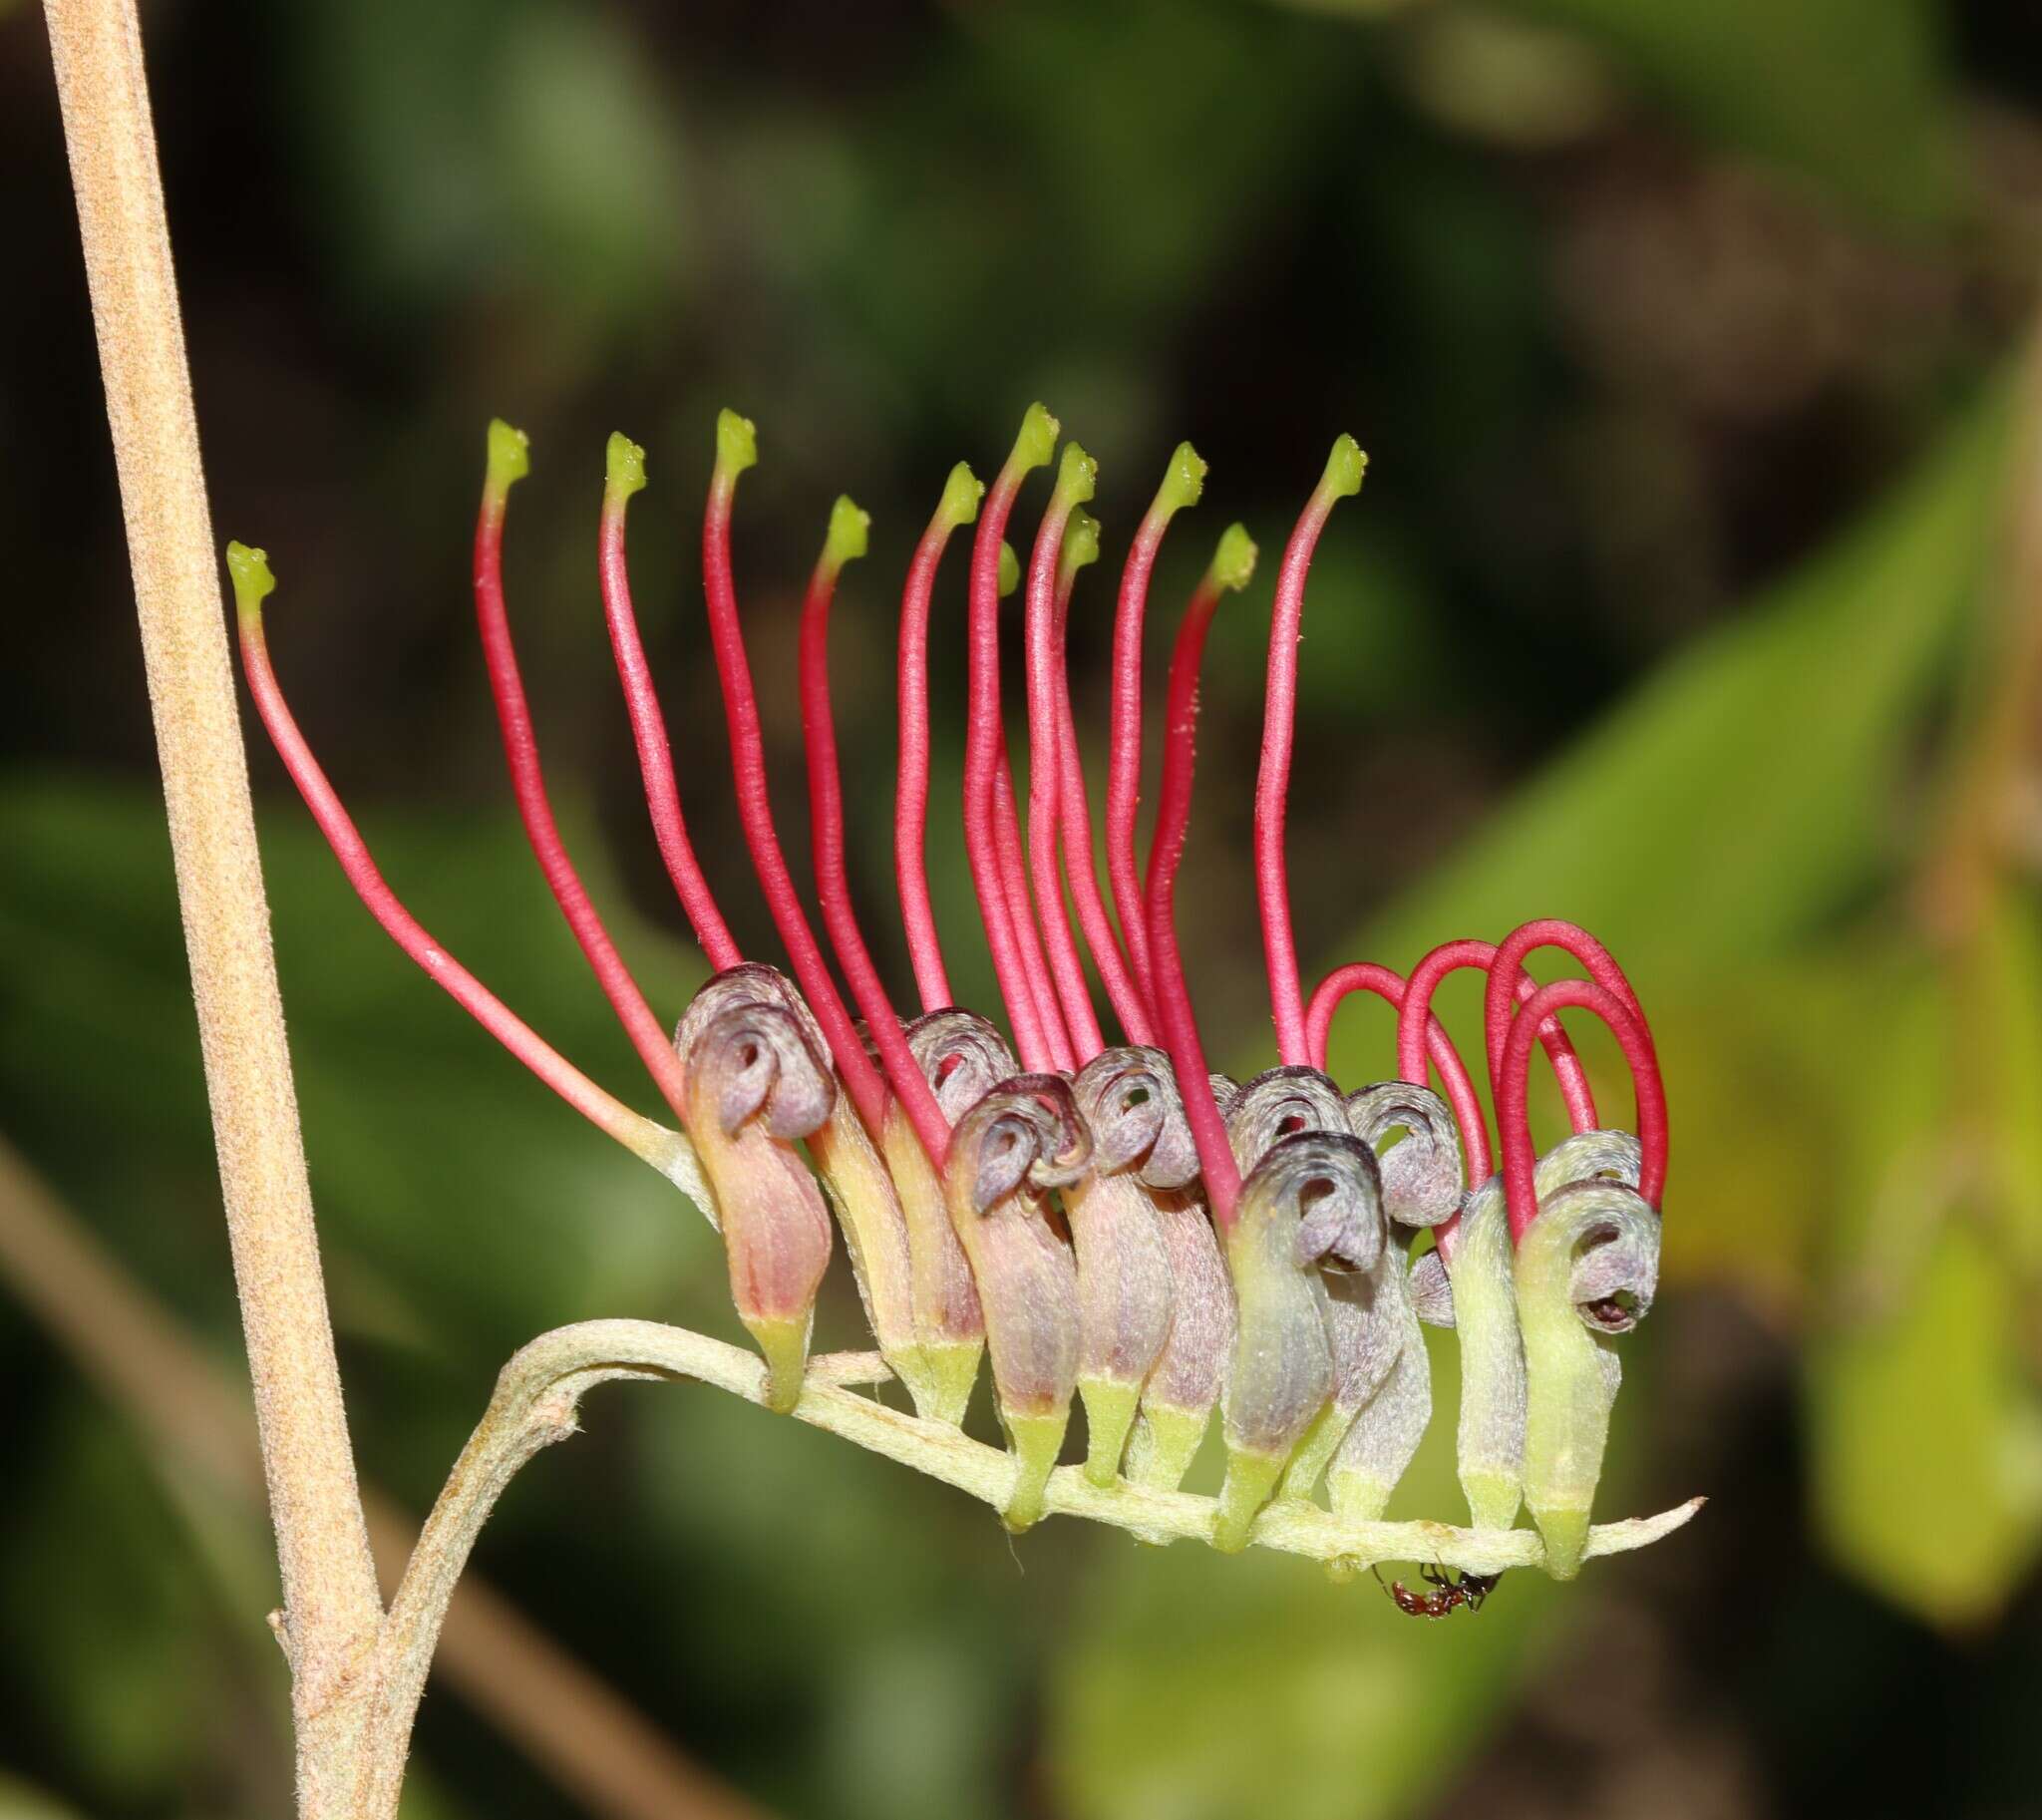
[1110, 1223]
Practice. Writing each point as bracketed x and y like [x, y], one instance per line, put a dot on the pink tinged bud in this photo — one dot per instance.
[1277, 1103]
[1020, 1139]
[1308, 1199]
[1116, 1227]
[753, 1076]
[1129, 1097]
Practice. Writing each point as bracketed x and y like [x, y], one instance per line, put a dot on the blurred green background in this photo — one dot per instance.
[1695, 593]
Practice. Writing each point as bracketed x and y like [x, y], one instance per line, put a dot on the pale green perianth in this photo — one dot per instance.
[848, 527]
[1081, 545]
[1234, 562]
[509, 457]
[737, 444]
[624, 473]
[1344, 469]
[253, 581]
[1037, 441]
[1489, 1447]
[1183, 483]
[1077, 477]
[1010, 570]
[1571, 1369]
[961, 495]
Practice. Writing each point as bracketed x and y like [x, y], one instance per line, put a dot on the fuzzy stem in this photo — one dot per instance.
[329, 1584]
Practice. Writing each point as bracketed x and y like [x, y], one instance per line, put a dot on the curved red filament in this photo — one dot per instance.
[1181, 730]
[860, 1078]
[1178, 1025]
[1045, 784]
[1116, 970]
[833, 876]
[1279, 729]
[912, 791]
[1449, 957]
[601, 1109]
[1012, 859]
[1389, 985]
[1124, 751]
[1512, 1119]
[528, 783]
[655, 755]
[984, 755]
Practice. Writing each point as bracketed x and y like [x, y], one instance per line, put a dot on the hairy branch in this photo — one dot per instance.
[593, 1743]
[329, 1581]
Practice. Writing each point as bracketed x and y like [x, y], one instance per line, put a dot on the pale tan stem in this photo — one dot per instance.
[593, 1742]
[331, 1604]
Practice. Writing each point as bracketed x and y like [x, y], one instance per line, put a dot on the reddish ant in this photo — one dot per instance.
[1448, 1592]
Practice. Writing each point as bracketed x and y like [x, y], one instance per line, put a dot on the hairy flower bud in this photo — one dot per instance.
[1022, 1137]
[1422, 1183]
[1587, 1270]
[1311, 1198]
[751, 1077]
[1125, 1097]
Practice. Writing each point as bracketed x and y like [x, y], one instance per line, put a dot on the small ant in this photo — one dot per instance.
[1448, 1592]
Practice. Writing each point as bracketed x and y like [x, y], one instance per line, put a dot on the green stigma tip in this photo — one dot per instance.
[1081, 545]
[1077, 475]
[1182, 484]
[1234, 562]
[961, 495]
[1037, 441]
[253, 579]
[1344, 469]
[737, 444]
[846, 538]
[509, 455]
[1010, 570]
[626, 466]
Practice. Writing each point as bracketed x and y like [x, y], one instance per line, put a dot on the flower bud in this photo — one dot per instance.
[1124, 1278]
[1311, 1198]
[1129, 1098]
[1277, 1103]
[751, 1077]
[1586, 1269]
[1022, 1137]
[1421, 1173]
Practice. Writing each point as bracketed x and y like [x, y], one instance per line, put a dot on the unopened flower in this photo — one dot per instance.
[1109, 1220]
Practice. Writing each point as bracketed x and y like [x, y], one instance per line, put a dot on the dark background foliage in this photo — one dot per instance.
[1685, 596]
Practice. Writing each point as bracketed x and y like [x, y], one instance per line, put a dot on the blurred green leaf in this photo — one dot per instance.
[1926, 1444]
[1825, 86]
[18, 1801]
